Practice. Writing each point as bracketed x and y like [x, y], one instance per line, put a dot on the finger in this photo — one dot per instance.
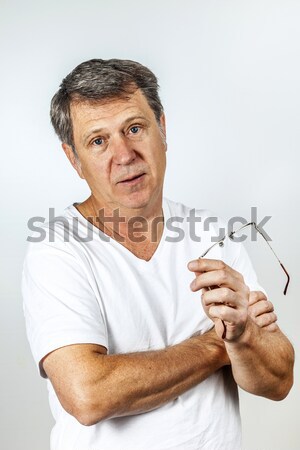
[222, 278]
[208, 265]
[266, 319]
[220, 328]
[256, 296]
[234, 320]
[272, 327]
[222, 296]
[205, 265]
[262, 307]
[224, 312]
[218, 274]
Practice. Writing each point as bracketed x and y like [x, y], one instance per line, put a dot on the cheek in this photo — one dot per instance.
[157, 151]
[160, 159]
[94, 170]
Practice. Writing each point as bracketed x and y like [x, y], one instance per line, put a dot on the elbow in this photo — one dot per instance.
[86, 418]
[278, 396]
[88, 415]
[285, 379]
[281, 386]
[86, 411]
[274, 388]
[276, 392]
[286, 382]
[283, 389]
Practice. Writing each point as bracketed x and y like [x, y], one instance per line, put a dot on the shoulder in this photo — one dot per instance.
[55, 231]
[207, 228]
[51, 243]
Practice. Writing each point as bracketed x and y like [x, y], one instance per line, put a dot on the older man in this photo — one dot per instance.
[115, 322]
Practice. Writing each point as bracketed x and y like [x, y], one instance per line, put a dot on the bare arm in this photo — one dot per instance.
[261, 357]
[269, 336]
[262, 361]
[93, 386]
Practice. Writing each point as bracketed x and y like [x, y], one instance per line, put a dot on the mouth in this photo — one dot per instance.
[133, 179]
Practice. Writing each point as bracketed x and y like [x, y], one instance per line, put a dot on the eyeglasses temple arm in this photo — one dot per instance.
[288, 278]
[212, 246]
[261, 233]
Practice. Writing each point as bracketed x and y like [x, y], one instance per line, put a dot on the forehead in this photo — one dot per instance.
[109, 112]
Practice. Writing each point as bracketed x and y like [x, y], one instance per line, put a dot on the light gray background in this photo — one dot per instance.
[229, 73]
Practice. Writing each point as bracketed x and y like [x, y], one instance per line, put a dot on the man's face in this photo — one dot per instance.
[121, 151]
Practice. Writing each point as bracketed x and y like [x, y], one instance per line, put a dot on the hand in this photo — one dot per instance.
[261, 311]
[225, 296]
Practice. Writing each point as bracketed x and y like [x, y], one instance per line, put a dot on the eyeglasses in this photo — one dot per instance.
[230, 236]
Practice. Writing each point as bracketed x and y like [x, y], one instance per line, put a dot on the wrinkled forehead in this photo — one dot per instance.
[109, 115]
[110, 107]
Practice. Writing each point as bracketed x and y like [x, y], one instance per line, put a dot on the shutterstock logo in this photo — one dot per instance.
[139, 229]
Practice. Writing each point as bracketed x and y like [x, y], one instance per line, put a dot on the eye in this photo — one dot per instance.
[98, 141]
[135, 129]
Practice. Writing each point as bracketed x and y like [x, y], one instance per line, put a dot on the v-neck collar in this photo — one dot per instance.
[97, 234]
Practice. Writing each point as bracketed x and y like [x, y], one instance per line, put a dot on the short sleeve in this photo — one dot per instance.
[60, 306]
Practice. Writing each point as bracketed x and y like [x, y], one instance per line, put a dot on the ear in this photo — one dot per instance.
[73, 158]
[162, 121]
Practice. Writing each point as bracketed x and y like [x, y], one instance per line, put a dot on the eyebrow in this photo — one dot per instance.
[100, 130]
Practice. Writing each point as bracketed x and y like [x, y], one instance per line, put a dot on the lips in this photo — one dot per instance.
[132, 177]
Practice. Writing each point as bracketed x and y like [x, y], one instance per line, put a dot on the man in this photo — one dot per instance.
[113, 306]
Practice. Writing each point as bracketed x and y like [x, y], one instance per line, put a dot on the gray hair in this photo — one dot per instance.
[101, 80]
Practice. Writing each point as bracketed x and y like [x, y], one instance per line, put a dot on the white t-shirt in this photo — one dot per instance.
[98, 292]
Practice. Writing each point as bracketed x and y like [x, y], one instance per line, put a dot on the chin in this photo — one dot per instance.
[140, 197]
[138, 201]
[135, 204]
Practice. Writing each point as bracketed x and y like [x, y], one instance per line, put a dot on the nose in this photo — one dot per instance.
[122, 151]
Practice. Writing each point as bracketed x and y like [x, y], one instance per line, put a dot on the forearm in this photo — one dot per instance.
[134, 383]
[262, 362]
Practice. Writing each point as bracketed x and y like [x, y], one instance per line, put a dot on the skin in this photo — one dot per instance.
[262, 358]
[114, 141]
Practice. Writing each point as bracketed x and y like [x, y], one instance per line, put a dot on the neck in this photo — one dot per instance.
[133, 227]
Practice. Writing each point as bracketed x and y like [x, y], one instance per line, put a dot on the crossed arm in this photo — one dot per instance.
[261, 357]
[93, 386]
